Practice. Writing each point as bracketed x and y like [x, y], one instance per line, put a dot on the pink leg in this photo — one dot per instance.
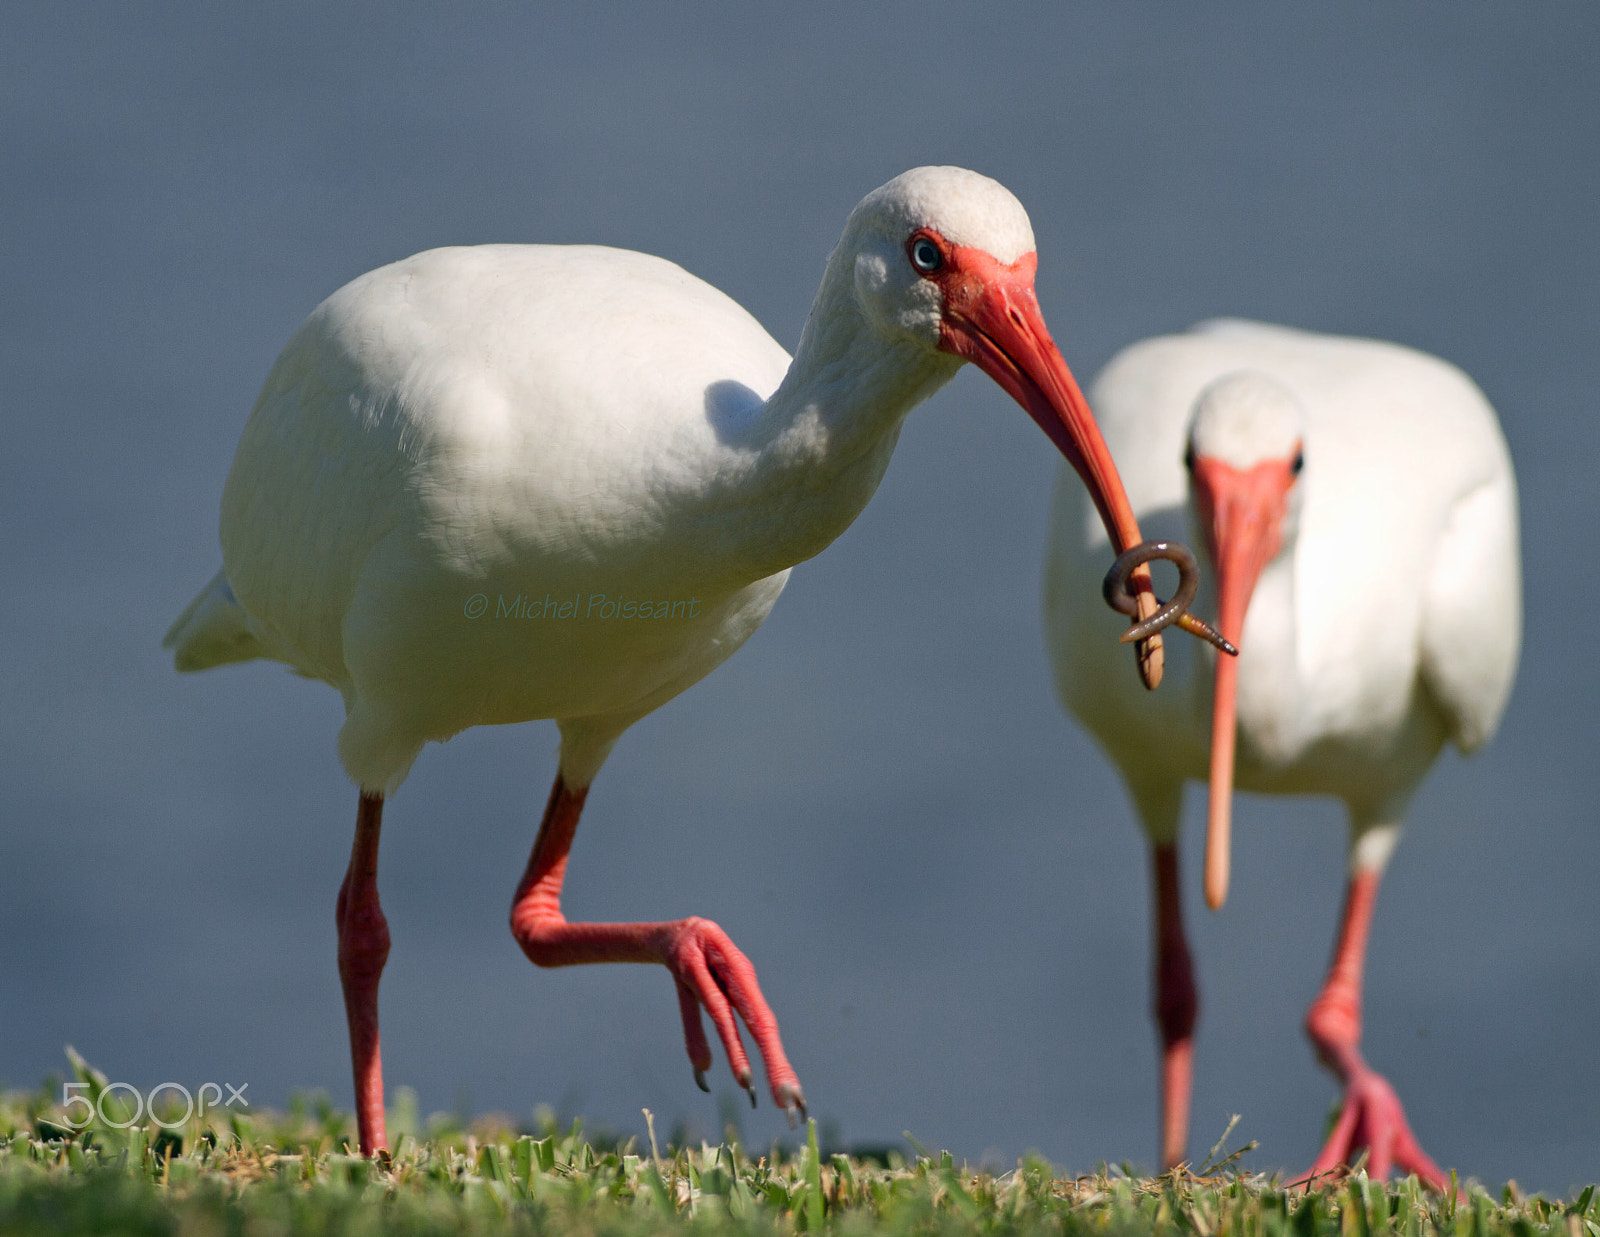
[1176, 1006]
[1372, 1116]
[709, 970]
[363, 949]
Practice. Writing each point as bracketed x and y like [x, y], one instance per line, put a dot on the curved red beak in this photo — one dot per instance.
[1241, 511]
[992, 318]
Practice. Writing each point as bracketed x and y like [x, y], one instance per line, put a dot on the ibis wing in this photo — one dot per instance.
[315, 485]
[1472, 611]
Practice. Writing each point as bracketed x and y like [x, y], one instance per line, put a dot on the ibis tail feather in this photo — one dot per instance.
[213, 631]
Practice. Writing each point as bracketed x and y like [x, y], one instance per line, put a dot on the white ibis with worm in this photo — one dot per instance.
[1358, 505]
[498, 484]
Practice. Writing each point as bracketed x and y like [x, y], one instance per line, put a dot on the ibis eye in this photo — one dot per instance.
[925, 255]
[1188, 458]
[1299, 462]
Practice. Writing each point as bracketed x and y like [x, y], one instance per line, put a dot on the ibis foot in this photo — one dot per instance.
[1373, 1120]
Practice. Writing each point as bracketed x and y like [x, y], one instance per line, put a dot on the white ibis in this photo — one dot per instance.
[1359, 507]
[497, 484]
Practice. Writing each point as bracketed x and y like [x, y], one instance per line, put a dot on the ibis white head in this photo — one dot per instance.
[945, 258]
[1245, 454]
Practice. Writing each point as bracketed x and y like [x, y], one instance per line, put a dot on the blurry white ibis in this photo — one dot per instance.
[1359, 508]
[497, 484]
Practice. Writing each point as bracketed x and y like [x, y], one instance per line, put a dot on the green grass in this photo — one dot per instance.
[293, 1173]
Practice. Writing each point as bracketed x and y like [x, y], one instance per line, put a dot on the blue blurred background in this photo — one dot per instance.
[935, 873]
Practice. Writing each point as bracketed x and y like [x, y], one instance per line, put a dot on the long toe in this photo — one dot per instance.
[694, 1033]
[1335, 1153]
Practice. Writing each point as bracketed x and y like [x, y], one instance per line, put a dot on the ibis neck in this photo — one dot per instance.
[813, 455]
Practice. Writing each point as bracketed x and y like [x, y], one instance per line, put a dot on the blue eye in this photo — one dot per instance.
[925, 255]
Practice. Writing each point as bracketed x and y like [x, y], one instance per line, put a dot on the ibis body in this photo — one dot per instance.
[1358, 504]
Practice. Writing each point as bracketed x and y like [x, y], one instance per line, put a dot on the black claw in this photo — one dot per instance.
[700, 1080]
[794, 1102]
[752, 1092]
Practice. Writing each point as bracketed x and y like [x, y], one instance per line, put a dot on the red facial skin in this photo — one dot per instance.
[991, 317]
[1241, 512]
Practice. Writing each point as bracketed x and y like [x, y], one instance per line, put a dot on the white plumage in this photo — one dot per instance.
[1394, 611]
[505, 422]
[1386, 624]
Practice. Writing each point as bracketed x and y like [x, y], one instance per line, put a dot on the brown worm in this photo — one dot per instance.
[1171, 613]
